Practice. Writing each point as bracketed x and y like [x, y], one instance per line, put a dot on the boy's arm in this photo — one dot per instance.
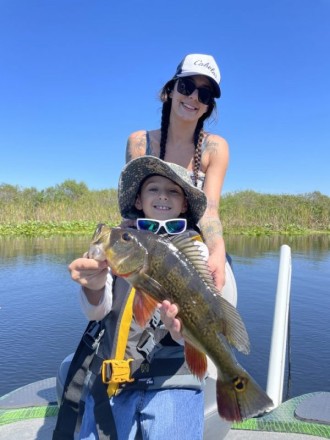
[96, 312]
[91, 275]
[96, 282]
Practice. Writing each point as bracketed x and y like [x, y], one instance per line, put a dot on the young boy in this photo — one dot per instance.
[167, 403]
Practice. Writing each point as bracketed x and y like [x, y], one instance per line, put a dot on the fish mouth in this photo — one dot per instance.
[96, 252]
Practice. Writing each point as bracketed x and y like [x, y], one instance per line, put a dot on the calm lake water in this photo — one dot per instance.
[41, 322]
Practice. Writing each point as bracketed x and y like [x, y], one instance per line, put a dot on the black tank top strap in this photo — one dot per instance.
[148, 144]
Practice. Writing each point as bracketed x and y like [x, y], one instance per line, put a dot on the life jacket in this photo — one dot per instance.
[114, 355]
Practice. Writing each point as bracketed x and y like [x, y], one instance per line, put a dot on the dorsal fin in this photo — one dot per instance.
[188, 247]
[230, 322]
[233, 326]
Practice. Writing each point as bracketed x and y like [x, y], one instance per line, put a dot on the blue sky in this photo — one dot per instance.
[78, 76]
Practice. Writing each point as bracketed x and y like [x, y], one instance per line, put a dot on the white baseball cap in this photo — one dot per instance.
[200, 64]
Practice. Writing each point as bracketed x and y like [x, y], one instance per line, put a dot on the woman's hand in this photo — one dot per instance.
[216, 263]
[168, 312]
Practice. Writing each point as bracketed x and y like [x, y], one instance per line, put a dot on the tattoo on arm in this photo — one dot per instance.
[212, 147]
[210, 224]
[135, 147]
[211, 229]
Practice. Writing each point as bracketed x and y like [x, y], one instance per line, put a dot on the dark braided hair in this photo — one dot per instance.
[165, 121]
[166, 111]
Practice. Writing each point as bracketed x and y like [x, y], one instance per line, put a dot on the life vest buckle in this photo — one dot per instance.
[116, 371]
[93, 335]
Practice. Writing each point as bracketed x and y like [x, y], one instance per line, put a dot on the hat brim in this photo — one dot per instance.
[140, 168]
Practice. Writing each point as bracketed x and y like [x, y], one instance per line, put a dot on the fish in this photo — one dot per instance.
[172, 268]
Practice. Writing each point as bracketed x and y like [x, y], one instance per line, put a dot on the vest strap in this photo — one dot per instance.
[123, 333]
[68, 418]
[105, 424]
[88, 359]
[148, 344]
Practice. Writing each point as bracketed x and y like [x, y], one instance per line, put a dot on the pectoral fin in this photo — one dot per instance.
[148, 294]
[143, 307]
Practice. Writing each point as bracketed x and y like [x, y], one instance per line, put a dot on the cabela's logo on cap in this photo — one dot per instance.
[200, 64]
[207, 65]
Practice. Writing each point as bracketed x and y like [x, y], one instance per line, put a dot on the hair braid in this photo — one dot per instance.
[166, 111]
[199, 131]
[164, 128]
[198, 140]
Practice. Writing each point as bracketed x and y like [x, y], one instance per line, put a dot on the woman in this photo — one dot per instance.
[188, 100]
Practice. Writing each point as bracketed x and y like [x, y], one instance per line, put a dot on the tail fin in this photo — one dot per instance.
[241, 398]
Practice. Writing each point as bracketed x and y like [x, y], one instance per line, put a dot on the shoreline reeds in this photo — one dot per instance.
[72, 208]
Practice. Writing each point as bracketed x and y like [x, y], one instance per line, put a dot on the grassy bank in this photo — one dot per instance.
[72, 208]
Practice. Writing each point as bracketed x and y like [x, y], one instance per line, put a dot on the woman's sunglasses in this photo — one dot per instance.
[172, 226]
[186, 87]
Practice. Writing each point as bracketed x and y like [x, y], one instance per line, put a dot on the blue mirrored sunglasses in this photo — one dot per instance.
[172, 226]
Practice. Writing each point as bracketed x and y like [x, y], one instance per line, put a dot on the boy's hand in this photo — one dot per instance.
[168, 312]
[89, 273]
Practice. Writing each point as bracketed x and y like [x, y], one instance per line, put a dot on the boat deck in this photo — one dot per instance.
[42, 429]
[30, 413]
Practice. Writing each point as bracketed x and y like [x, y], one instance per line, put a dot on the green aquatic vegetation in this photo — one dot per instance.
[72, 208]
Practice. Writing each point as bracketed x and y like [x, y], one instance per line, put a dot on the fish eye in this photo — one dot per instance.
[126, 236]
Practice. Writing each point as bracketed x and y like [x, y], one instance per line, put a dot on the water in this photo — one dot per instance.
[41, 322]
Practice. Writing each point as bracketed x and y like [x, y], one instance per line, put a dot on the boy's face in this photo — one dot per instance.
[160, 198]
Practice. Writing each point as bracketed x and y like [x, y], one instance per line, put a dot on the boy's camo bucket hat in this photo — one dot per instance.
[142, 167]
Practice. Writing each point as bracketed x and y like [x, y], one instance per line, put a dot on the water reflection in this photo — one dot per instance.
[244, 246]
[314, 245]
[73, 246]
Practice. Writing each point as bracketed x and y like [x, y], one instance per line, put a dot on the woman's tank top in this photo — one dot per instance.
[201, 175]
